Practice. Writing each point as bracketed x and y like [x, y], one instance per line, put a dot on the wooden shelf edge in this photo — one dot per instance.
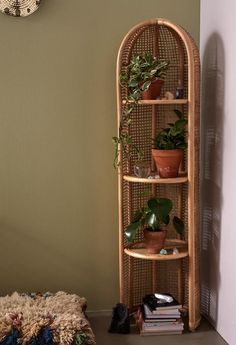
[159, 101]
[137, 250]
[176, 180]
[142, 254]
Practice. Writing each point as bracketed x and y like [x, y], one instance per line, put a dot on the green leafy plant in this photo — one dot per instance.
[172, 137]
[124, 140]
[142, 70]
[154, 216]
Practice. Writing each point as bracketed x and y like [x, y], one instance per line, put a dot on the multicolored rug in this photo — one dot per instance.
[44, 319]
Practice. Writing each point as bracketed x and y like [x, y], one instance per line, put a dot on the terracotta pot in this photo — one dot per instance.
[154, 90]
[168, 161]
[154, 240]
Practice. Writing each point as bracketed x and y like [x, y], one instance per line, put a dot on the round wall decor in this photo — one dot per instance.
[19, 8]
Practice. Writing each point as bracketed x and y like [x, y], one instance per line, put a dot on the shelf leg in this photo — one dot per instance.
[154, 276]
[180, 283]
[130, 283]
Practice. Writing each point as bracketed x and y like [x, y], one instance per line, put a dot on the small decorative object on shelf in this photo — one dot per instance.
[179, 92]
[142, 169]
[168, 147]
[169, 95]
[152, 177]
[175, 251]
[163, 251]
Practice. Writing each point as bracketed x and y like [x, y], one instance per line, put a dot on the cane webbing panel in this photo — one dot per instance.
[178, 277]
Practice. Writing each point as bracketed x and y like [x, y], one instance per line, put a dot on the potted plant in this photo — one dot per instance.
[153, 219]
[144, 77]
[168, 147]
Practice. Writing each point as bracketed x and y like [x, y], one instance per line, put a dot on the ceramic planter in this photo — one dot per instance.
[154, 240]
[154, 90]
[168, 162]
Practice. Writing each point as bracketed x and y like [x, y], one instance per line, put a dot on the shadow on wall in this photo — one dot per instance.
[212, 122]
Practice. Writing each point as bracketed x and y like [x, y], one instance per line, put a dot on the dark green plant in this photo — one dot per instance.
[154, 216]
[172, 137]
[142, 70]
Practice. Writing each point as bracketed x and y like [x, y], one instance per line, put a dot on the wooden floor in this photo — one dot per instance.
[205, 335]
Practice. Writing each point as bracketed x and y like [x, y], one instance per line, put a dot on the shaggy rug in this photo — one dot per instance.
[44, 319]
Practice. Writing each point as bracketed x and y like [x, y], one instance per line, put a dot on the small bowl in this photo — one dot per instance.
[142, 169]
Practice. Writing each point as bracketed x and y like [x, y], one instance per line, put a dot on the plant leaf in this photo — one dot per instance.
[137, 215]
[161, 206]
[146, 85]
[151, 220]
[134, 96]
[166, 220]
[178, 224]
[133, 83]
[152, 204]
[131, 231]
[178, 113]
[115, 140]
[164, 207]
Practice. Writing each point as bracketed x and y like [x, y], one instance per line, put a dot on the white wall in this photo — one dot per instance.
[218, 53]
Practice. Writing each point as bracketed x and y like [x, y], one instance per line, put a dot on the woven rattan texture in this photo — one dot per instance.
[172, 276]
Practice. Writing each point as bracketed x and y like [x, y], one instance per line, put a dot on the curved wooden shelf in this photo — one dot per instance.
[160, 101]
[179, 179]
[138, 251]
[141, 253]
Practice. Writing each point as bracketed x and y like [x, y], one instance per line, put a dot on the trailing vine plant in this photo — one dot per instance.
[141, 71]
[124, 140]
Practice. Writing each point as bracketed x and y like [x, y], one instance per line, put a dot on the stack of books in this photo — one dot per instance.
[159, 316]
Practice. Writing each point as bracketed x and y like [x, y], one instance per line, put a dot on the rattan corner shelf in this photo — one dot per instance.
[140, 272]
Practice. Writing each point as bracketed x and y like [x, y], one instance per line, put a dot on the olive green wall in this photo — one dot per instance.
[58, 190]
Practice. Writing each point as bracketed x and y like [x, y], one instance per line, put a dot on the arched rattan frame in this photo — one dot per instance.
[139, 273]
